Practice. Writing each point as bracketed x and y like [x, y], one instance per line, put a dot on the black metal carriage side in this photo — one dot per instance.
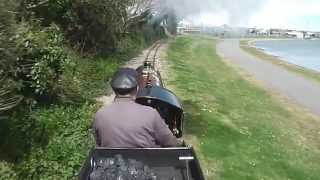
[166, 103]
[166, 163]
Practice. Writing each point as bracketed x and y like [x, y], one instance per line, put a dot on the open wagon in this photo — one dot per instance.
[178, 163]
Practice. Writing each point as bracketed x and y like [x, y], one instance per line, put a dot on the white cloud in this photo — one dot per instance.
[292, 14]
[234, 12]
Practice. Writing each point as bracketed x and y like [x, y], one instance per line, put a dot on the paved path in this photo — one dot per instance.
[297, 88]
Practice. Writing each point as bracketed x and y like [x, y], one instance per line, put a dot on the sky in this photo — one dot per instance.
[288, 14]
[292, 14]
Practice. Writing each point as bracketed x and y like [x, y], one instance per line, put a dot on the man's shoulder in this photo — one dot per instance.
[144, 108]
[104, 110]
[132, 105]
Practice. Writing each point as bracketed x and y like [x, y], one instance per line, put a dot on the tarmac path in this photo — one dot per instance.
[297, 88]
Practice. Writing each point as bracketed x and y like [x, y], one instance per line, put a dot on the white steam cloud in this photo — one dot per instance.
[235, 12]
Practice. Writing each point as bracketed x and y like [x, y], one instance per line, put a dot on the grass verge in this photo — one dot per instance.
[240, 132]
[245, 45]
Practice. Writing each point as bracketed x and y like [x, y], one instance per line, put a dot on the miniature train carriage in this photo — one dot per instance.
[166, 103]
[179, 163]
[152, 93]
[176, 163]
[148, 76]
[142, 164]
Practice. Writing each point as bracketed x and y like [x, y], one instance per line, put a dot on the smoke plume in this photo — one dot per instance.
[238, 11]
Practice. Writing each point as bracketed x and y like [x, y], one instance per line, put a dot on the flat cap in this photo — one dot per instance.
[129, 71]
[124, 81]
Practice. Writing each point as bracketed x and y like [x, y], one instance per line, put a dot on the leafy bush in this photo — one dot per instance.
[98, 26]
[130, 44]
[8, 87]
[6, 171]
[53, 141]
[41, 61]
[90, 26]
[60, 138]
[89, 77]
[152, 33]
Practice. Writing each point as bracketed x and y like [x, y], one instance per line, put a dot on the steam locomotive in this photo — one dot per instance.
[179, 163]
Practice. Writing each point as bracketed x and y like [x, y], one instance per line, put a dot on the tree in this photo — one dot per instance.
[96, 26]
[8, 86]
[138, 12]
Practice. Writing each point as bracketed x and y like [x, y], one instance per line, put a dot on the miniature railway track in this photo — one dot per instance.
[152, 57]
[153, 53]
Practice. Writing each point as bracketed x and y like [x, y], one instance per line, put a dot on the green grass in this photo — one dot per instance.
[244, 44]
[241, 132]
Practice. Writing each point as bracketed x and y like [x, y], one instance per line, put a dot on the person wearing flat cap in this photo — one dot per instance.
[126, 124]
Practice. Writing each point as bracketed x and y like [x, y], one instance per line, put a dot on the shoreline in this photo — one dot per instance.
[247, 46]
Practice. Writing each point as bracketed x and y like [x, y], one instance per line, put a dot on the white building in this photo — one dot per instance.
[185, 27]
[297, 34]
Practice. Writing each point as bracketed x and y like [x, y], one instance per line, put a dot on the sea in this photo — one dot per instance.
[305, 53]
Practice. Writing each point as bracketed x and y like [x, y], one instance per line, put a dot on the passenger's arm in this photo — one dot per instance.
[163, 135]
[97, 135]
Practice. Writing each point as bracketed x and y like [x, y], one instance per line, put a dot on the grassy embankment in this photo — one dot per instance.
[239, 130]
[53, 141]
[245, 45]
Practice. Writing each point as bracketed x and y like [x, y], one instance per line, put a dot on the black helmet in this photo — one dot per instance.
[124, 81]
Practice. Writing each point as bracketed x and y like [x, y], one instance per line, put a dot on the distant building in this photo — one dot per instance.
[282, 33]
[184, 27]
[278, 32]
[312, 35]
[263, 32]
[258, 32]
[296, 34]
[275, 32]
[188, 30]
[317, 35]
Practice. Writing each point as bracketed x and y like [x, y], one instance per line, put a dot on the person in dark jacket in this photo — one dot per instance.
[126, 124]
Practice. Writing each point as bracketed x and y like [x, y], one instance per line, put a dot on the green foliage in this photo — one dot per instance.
[98, 26]
[8, 87]
[48, 11]
[6, 171]
[54, 141]
[41, 60]
[69, 140]
[152, 33]
[90, 26]
[129, 44]
[92, 75]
